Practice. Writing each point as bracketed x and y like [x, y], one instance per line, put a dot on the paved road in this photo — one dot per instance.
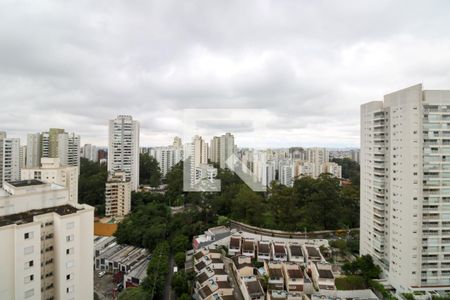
[168, 293]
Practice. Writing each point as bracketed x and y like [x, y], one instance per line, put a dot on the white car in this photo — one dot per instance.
[101, 274]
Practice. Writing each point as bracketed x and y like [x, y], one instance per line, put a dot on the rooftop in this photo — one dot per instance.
[312, 251]
[27, 217]
[296, 250]
[325, 274]
[22, 183]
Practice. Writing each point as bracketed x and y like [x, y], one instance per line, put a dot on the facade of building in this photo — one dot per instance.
[167, 157]
[405, 171]
[90, 152]
[68, 150]
[117, 195]
[9, 159]
[226, 149]
[55, 143]
[33, 150]
[51, 171]
[123, 148]
[47, 243]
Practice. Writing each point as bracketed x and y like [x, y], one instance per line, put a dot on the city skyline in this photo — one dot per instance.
[306, 63]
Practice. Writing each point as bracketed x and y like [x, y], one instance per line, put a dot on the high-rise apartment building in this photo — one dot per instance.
[9, 159]
[123, 148]
[47, 243]
[90, 152]
[167, 157]
[405, 194]
[68, 149]
[317, 156]
[214, 149]
[33, 150]
[117, 195]
[177, 143]
[53, 140]
[226, 149]
[51, 171]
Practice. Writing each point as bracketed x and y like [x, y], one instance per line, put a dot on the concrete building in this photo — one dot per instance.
[331, 168]
[51, 171]
[167, 157]
[33, 150]
[117, 195]
[123, 148]
[405, 199]
[90, 152]
[47, 243]
[214, 149]
[286, 174]
[9, 159]
[68, 150]
[226, 149]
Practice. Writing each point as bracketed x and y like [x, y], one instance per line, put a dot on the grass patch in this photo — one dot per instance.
[351, 282]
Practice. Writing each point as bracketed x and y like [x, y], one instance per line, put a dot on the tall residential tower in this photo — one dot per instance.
[405, 187]
[123, 148]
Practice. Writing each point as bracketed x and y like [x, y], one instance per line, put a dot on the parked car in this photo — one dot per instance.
[101, 274]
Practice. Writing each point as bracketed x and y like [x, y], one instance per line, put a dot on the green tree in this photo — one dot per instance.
[363, 266]
[91, 184]
[180, 284]
[180, 258]
[149, 170]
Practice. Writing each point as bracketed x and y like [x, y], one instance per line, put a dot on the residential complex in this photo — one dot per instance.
[123, 148]
[293, 268]
[405, 199]
[47, 243]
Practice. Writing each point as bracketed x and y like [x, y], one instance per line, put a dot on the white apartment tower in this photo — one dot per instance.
[51, 171]
[69, 149]
[90, 152]
[117, 195]
[123, 148]
[47, 243]
[55, 143]
[9, 159]
[167, 157]
[405, 194]
[226, 149]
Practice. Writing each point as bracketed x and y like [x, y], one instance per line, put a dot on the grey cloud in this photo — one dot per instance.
[311, 63]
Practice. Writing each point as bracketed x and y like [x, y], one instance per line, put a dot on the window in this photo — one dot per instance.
[69, 238]
[29, 264]
[29, 278]
[68, 276]
[29, 293]
[70, 225]
[28, 250]
[69, 251]
[28, 235]
[69, 264]
[69, 289]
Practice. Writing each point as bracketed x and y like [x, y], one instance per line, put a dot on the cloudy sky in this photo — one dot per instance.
[303, 67]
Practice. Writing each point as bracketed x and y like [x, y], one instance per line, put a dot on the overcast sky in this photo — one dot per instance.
[305, 65]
